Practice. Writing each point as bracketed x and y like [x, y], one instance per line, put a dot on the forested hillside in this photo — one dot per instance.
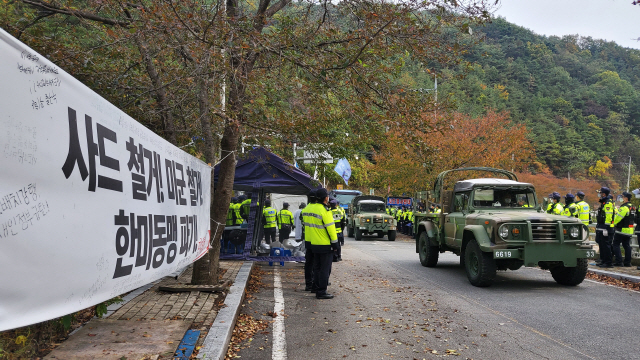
[578, 97]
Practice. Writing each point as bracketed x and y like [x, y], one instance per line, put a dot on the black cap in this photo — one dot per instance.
[580, 193]
[605, 190]
[556, 195]
[285, 205]
[321, 193]
[627, 195]
[267, 202]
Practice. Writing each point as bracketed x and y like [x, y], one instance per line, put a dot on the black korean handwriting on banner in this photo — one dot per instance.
[183, 183]
[151, 240]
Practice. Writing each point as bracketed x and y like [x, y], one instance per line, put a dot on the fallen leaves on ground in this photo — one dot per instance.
[613, 281]
[246, 327]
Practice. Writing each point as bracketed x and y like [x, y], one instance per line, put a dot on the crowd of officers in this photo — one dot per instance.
[320, 224]
[405, 215]
[614, 225]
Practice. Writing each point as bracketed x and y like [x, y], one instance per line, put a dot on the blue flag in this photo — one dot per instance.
[344, 170]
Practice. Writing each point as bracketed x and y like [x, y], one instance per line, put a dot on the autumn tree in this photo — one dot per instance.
[258, 71]
[491, 140]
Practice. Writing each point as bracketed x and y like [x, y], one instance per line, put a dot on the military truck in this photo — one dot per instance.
[496, 224]
[366, 215]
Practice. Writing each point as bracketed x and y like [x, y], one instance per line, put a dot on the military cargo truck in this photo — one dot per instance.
[366, 215]
[496, 224]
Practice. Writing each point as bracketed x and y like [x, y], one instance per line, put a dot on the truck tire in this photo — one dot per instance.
[480, 266]
[358, 234]
[391, 235]
[428, 253]
[350, 231]
[570, 276]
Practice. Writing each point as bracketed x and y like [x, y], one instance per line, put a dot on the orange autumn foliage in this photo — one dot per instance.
[409, 162]
[546, 184]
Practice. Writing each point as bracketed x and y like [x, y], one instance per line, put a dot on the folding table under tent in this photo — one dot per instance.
[261, 172]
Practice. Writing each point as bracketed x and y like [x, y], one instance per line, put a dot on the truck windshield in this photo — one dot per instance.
[372, 207]
[511, 197]
[345, 198]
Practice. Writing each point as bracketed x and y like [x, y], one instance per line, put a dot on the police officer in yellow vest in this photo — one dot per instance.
[269, 221]
[549, 204]
[623, 224]
[604, 228]
[231, 213]
[285, 222]
[308, 254]
[570, 208]
[338, 219]
[320, 230]
[584, 211]
[556, 207]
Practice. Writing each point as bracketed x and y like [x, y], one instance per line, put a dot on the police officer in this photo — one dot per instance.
[604, 230]
[338, 219]
[584, 211]
[550, 204]
[556, 206]
[245, 206]
[570, 208]
[344, 225]
[623, 224]
[269, 221]
[231, 213]
[438, 209]
[308, 255]
[321, 231]
[285, 222]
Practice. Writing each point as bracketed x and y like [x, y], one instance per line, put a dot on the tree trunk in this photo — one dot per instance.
[205, 270]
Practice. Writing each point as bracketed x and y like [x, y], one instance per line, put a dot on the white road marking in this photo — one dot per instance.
[279, 349]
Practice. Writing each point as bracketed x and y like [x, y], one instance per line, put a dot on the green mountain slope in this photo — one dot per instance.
[579, 97]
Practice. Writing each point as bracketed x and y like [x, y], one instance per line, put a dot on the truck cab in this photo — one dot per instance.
[345, 196]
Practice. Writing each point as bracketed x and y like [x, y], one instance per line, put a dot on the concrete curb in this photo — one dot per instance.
[616, 275]
[216, 343]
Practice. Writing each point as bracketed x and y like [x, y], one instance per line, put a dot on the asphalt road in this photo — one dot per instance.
[388, 306]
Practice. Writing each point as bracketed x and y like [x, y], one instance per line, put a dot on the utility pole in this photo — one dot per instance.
[629, 175]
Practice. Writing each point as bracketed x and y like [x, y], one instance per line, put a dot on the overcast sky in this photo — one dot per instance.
[612, 20]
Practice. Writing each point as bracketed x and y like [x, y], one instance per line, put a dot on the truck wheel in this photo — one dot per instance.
[358, 234]
[391, 235]
[380, 234]
[350, 231]
[570, 276]
[480, 266]
[428, 253]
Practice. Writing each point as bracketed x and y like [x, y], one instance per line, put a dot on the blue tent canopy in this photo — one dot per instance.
[266, 171]
[262, 172]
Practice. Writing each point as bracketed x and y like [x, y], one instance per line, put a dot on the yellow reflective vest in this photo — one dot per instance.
[319, 227]
[583, 211]
[269, 214]
[285, 217]
[623, 221]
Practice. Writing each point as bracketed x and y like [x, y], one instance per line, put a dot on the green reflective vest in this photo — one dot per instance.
[583, 211]
[285, 217]
[319, 227]
[623, 221]
[269, 214]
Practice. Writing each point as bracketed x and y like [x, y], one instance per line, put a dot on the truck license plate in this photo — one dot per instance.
[505, 254]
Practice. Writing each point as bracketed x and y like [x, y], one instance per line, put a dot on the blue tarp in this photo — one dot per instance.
[266, 171]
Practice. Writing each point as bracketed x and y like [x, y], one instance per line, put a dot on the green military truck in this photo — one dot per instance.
[366, 215]
[496, 224]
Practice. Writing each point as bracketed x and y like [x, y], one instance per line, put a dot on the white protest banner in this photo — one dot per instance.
[92, 203]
